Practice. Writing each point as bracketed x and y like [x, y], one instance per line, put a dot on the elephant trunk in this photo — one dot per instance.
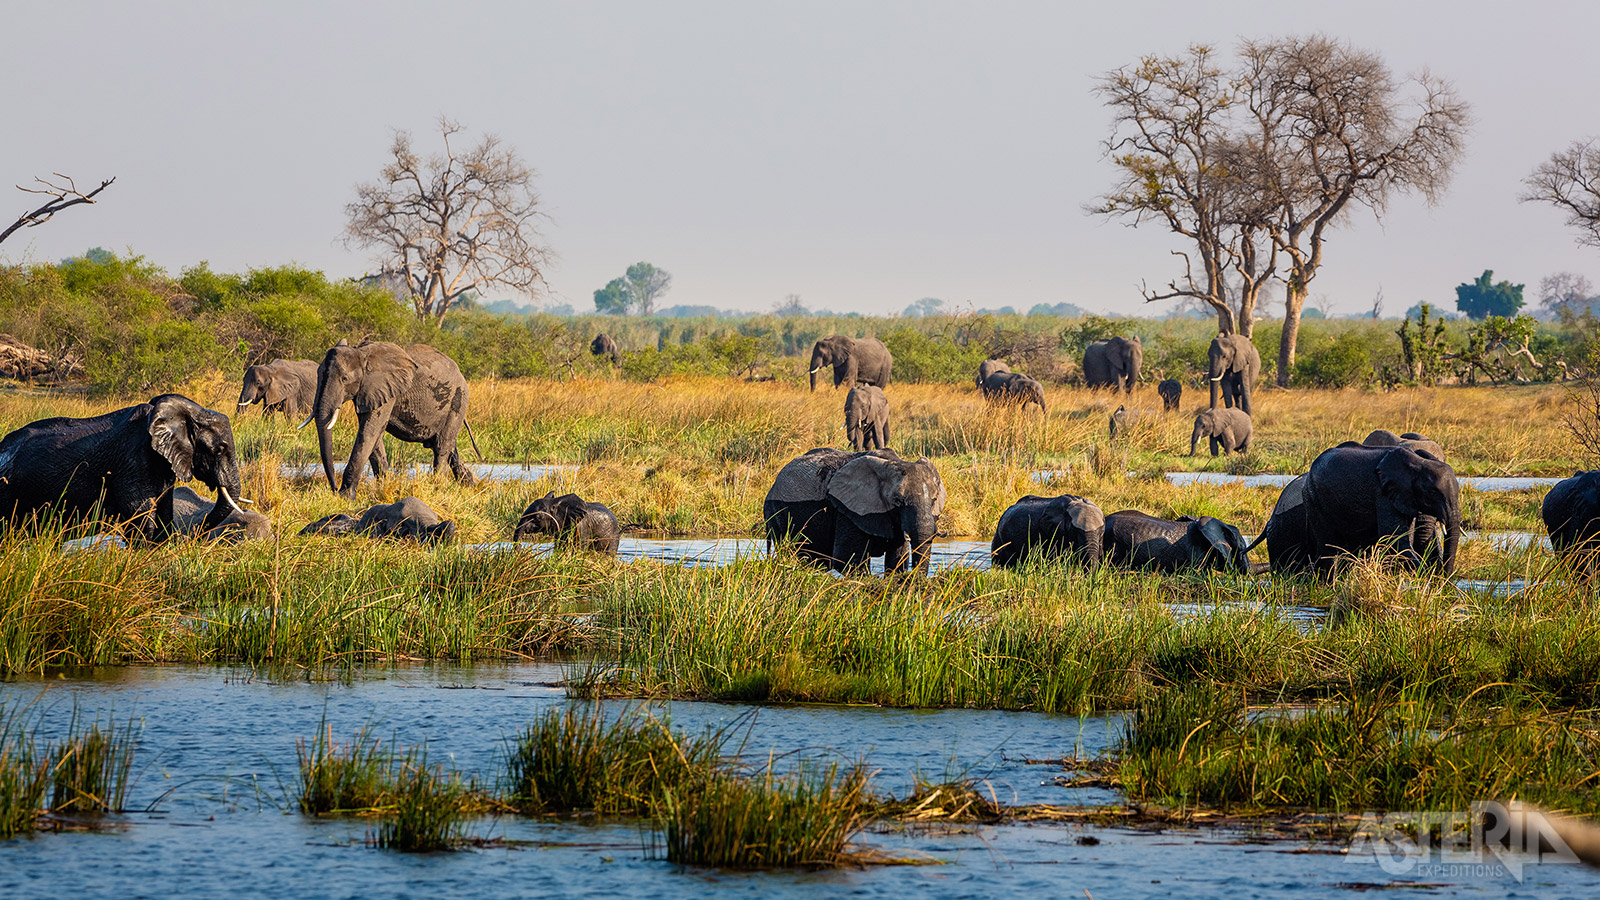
[324, 413]
[1038, 396]
[229, 490]
[1093, 547]
[818, 360]
[1194, 439]
[921, 527]
[1452, 537]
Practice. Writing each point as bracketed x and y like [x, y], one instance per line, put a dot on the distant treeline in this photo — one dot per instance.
[138, 330]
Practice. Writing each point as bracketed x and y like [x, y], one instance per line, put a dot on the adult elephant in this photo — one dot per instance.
[415, 393]
[1011, 388]
[1139, 541]
[853, 360]
[1049, 526]
[1355, 498]
[127, 461]
[1113, 363]
[1571, 513]
[603, 345]
[1410, 440]
[842, 509]
[1233, 367]
[990, 367]
[284, 385]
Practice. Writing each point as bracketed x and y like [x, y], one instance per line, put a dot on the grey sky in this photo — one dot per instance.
[862, 155]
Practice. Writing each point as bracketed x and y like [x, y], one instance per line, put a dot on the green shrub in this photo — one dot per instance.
[921, 358]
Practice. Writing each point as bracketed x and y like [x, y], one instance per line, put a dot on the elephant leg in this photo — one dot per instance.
[850, 550]
[1214, 445]
[379, 460]
[369, 435]
[898, 558]
[445, 445]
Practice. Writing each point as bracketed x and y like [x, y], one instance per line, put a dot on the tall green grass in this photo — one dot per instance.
[90, 768]
[429, 810]
[341, 778]
[24, 772]
[804, 818]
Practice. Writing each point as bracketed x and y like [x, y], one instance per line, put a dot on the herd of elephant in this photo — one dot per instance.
[841, 508]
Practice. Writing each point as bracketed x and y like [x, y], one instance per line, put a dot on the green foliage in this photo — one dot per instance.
[613, 298]
[1423, 345]
[920, 358]
[1077, 338]
[1482, 298]
[1344, 360]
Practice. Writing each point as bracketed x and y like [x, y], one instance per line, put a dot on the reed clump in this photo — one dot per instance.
[24, 773]
[90, 767]
[805, 818]
[428, 812]
[342, 777]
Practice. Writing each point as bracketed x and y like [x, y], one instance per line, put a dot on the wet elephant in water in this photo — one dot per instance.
[1049, 526]
[408, 518]
[842, 509]
[570, 520]
[1137, 540]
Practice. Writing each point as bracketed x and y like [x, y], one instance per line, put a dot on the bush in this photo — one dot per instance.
[1342, 361]
[920, 358]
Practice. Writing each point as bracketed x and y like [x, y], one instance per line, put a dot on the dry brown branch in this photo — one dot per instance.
[1570, 180]
[62, 196]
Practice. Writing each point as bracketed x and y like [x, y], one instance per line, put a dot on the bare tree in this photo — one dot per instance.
[1331, 129]
[1565, 291]
[62, 196]
[1173, 145]
[1570, 180]
[455, 222]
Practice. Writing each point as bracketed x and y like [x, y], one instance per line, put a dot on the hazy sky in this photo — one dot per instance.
[860, 154]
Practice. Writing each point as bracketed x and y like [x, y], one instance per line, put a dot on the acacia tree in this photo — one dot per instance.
[61, 197]
[1173, 144]
[1329, 128]
[1570, 180]
[455, 222]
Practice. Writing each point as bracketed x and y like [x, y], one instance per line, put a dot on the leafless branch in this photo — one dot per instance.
[1570, 181]
[62, 196]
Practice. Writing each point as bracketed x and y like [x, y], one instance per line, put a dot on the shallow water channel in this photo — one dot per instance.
[215, 770]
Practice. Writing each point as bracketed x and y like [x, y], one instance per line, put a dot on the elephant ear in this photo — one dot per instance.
[1085, 516]
[805, 478]
[1397, 478]
[277, 387]
[1294, 494]
[170, 418]
[1214, 535]
[867, 485]
[387, 372]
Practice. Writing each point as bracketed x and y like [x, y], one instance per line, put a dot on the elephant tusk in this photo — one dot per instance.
[1218, 378]
[333, 421]
[229, 497]
[306, 422]
[815, 371]
[243, 405]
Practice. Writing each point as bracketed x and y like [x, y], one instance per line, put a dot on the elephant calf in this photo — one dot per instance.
[1571, 512]
[1171, 392]
[571, 521]
[190, 512]
[1227, 428]
[288, 386]
[1009, 387]
[1137, 540]
[866, 418]
[1124, 419]
[408, 519]
[1049, 526]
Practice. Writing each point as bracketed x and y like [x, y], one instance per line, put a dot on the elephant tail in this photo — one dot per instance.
[1260, 537]
[473, 438]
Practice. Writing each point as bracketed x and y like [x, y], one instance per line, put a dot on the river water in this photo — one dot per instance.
[216, 764]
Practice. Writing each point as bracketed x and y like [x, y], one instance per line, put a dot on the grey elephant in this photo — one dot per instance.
[1006, 388]
[415, 393]
[1139, 541]
[866, 418]
[1233, 367]
[841, 509]
[1228, 430]
[603, 345]
[1124, 419]
[1113, 363]
[853, 360]
[408, 518]
[1410, 440]
[1356, 498]
[1571, 513]
[1171, 392]
[1049, 527]
[989, 367]
[123, 464]
[190, 512]
[571, 521]
[287, 386]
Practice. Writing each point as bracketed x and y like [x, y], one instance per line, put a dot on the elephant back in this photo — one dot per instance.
[805, 478]
[1292, 497]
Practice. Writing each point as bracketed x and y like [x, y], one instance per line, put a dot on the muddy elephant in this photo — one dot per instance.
[126, 462]
[1410, 440]
[1356, 498]
[1049, 527]
[415, 393]
[1571, 513]
[1233, 367]
[570, 521]
[408, 518]
[287, 386]
[190, 512]
[989, 367]
[842, 509]
[1171, 392]
[603, 345]
[1113, 363]
[853, 360]
[1227, 429]
[1139, 541]
[866, 418]
[1010, 388]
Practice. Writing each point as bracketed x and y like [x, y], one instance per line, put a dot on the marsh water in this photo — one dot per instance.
[214, 810]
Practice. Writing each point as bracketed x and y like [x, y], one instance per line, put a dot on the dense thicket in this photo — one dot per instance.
[139, 330]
